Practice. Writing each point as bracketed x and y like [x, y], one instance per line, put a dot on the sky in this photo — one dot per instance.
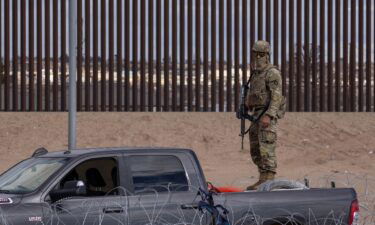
[335, 11]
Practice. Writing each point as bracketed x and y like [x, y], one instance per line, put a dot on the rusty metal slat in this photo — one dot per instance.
[127, 53]
[135, 56]
[143, 55]
[15, 56]
[79, 54]
[368, 56]
[151, 56]
[47, 55]
[307, 101]
[283, 46]
[7, 55]
[95, 54]
[337, 57]
[268, 20]
[352, 81]
[213, 55]
[291, 55]
[260, 19]
[23, 55]
[111, 55]
[236, 52]
[299, 56]
[330, 57]
[87, 55]
[39, 38]
[166, 55]
[55, 43]
[190, 55]
[345, 59]
[103, 63]
[197, 56]
[276, 32]
[244, 41]
[205, 55]
[314, 97]
[322, 95]
[360, 53]
[158, 55]
[119, 55]
[252, 26]
[31, 57]
[229, 55]
[63, 55]
[221, 55]
[174, 55]
[182, 55]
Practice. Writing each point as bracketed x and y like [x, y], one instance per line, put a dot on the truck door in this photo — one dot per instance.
[161, 191]
[103, 203]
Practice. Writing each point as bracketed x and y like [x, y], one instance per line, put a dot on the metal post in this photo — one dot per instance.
[72, 73]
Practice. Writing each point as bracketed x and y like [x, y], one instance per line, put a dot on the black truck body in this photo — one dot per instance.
[149, 186]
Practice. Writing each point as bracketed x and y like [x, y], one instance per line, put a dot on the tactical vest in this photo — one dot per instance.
[259, 95]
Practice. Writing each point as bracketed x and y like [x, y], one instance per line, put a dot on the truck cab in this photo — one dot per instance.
[103, 186]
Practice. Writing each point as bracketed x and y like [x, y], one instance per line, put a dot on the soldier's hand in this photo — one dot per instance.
[239, 114]
[265, 121]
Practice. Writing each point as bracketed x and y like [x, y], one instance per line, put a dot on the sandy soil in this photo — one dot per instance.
[310, 144]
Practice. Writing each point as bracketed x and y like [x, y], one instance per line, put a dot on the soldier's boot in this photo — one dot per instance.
[263, 177]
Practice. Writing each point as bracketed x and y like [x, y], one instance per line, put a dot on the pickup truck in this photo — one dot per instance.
[151, 186]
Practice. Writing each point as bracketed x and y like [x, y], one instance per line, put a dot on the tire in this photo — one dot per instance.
[273, 185]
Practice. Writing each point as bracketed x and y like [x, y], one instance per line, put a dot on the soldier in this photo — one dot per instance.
[264, 99]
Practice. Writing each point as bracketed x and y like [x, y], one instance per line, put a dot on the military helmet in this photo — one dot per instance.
[261, 46]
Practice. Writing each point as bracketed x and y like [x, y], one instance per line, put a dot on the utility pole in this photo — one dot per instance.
[72, 73]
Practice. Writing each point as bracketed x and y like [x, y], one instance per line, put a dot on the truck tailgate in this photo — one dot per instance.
[313, 206]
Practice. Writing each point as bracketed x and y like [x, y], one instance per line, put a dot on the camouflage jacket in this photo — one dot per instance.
[266, 87]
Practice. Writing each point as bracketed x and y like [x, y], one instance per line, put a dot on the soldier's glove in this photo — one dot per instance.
[239, 114]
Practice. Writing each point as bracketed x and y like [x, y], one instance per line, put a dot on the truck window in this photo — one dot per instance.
[99, 175]
[30, 174]
[157, 173]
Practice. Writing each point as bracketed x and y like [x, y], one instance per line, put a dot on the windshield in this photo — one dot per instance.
[29, 175]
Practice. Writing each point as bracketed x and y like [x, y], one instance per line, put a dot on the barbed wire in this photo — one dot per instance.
[151, 207]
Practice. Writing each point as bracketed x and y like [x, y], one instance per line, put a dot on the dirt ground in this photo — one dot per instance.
[313, 145]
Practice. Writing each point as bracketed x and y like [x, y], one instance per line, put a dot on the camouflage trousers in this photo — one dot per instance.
[263, 145]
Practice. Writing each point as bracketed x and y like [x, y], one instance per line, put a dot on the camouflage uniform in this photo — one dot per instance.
[265, 88]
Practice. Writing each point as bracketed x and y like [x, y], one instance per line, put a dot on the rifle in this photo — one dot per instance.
[243, 112]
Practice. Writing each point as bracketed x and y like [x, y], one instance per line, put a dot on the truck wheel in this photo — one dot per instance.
[273, 185]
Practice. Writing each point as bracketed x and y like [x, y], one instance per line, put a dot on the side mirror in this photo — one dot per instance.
[76, 186]
[70, 189]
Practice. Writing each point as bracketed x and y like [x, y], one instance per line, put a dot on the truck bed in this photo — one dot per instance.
[313, 206]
